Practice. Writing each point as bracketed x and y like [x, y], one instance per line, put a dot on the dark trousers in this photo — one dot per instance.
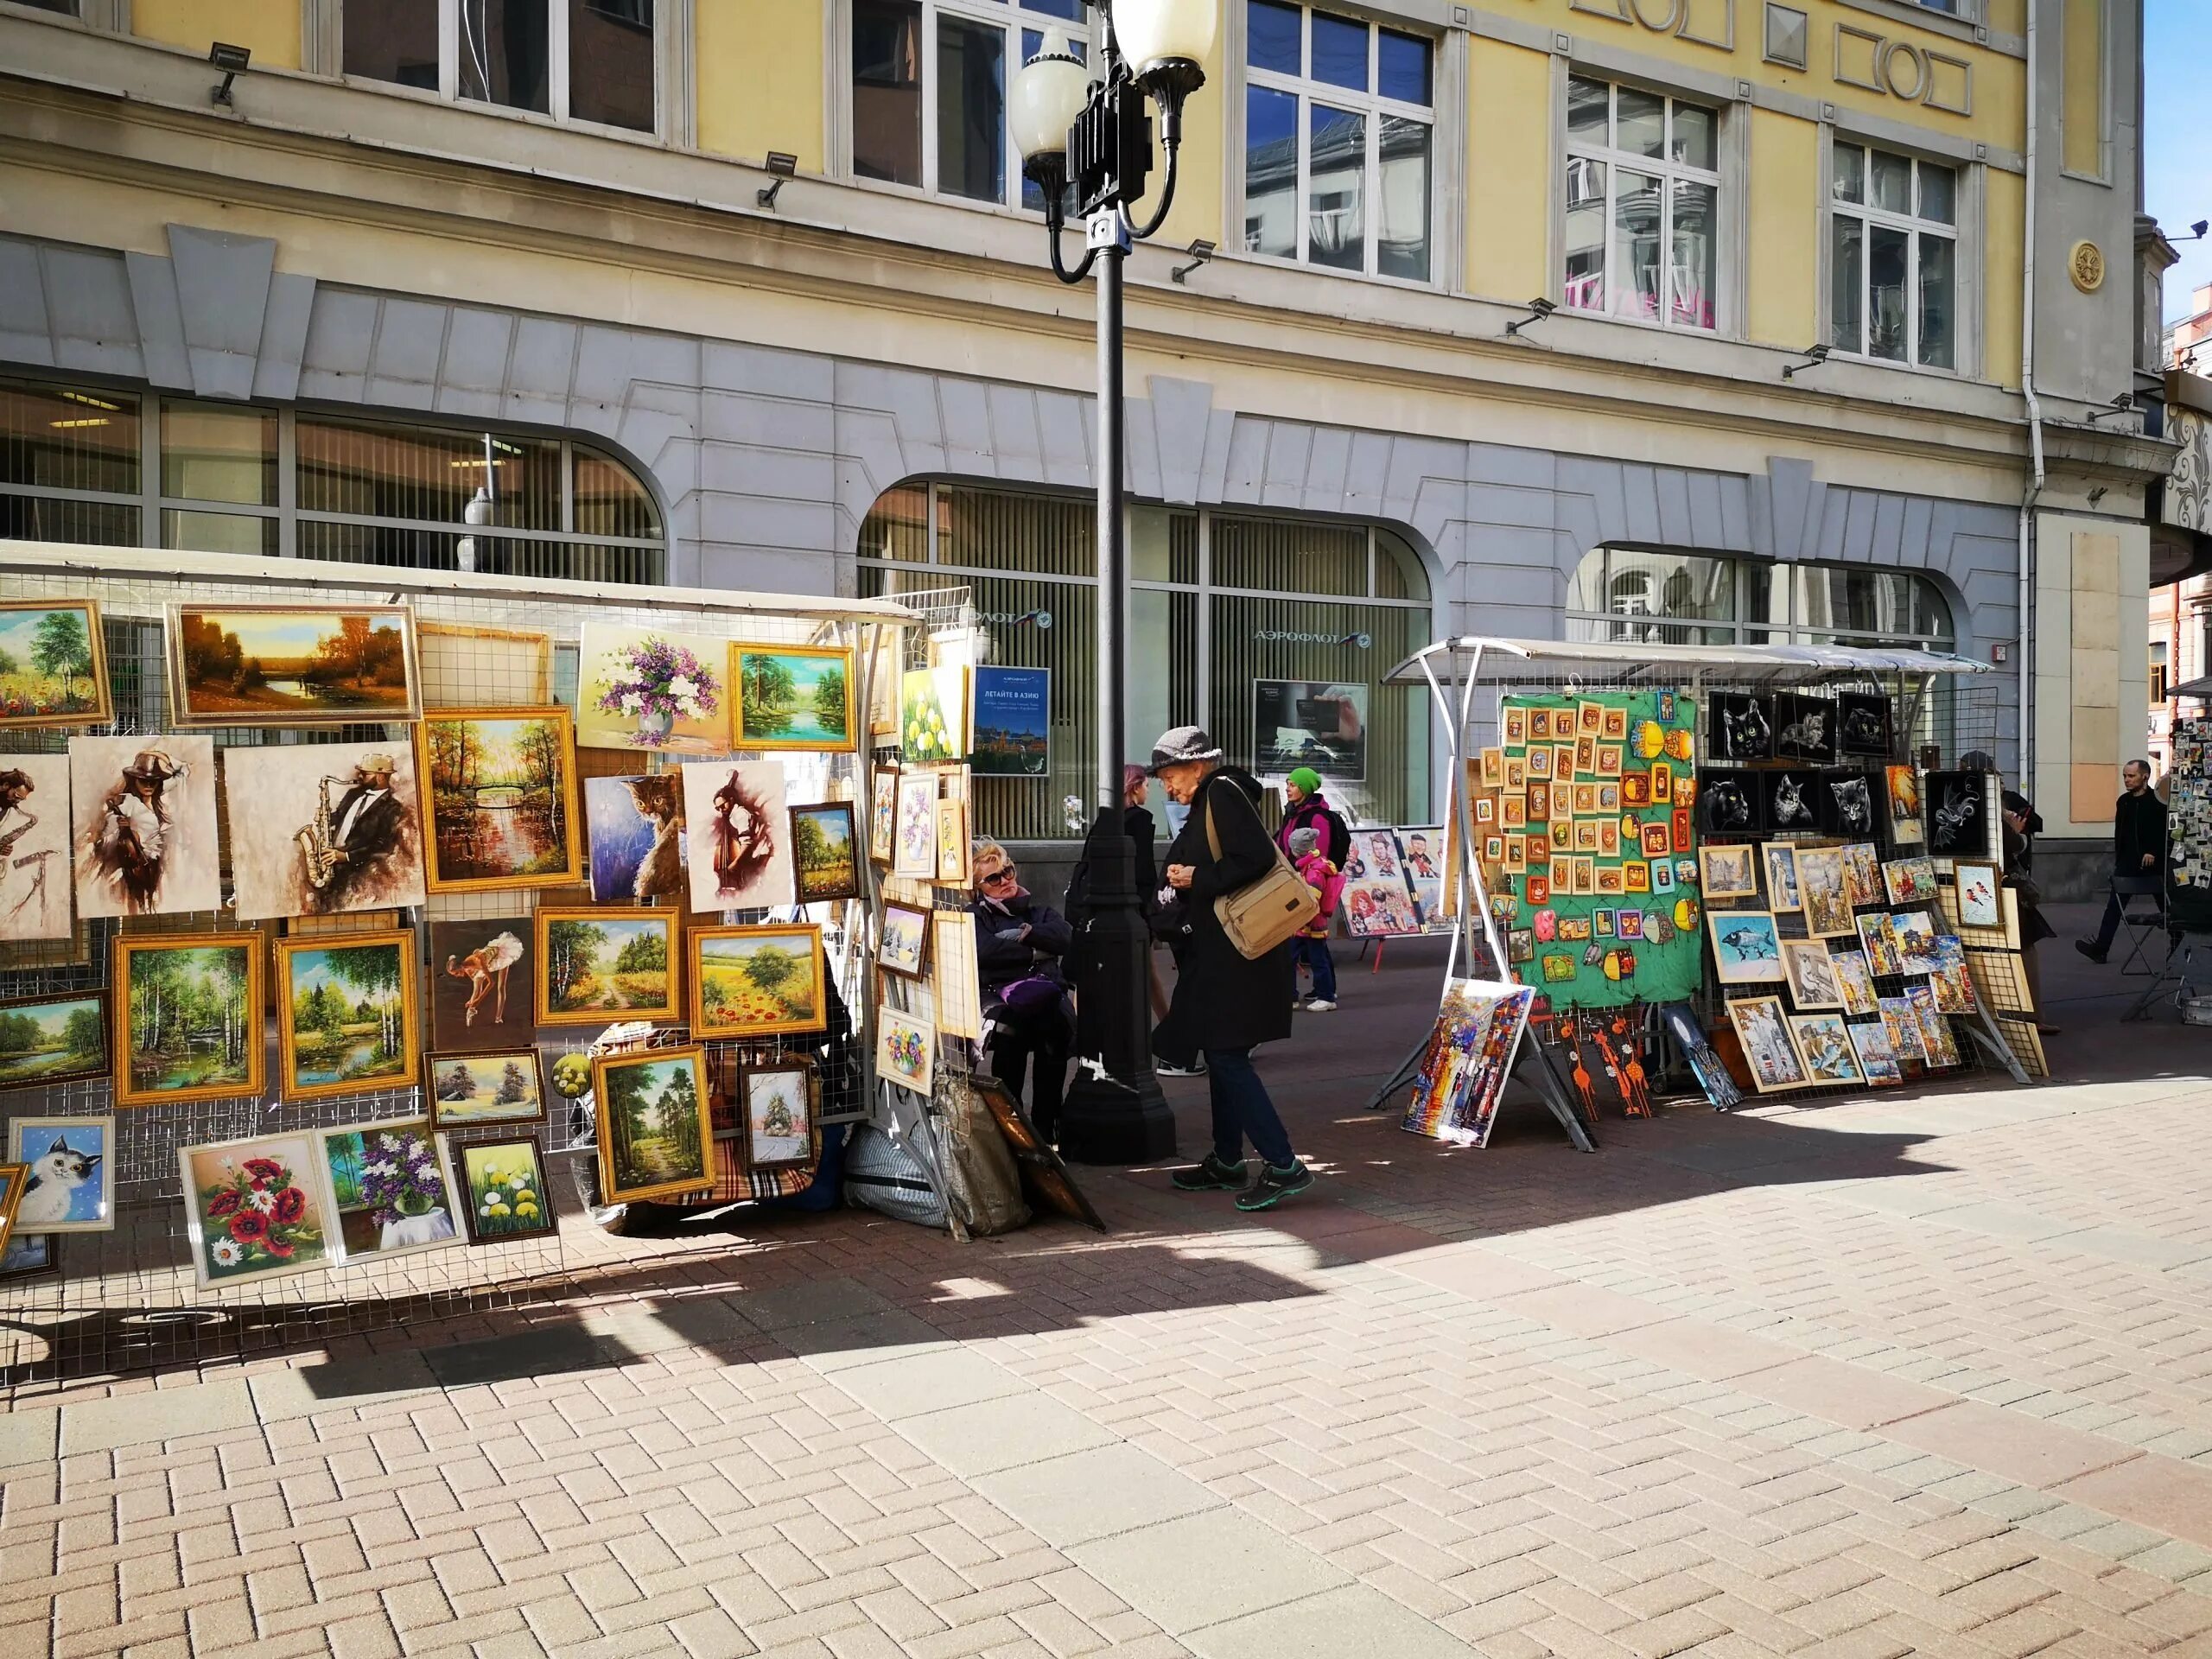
[1035, 1043]
[2108, 929]
[1314, 953]
[1241, 1109]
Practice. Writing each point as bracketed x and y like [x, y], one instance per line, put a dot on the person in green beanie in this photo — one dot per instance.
[1309, 809]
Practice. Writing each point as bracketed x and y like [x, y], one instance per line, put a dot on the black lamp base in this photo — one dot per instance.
[1116, 1114]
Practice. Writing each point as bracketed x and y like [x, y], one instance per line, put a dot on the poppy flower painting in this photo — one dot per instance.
[252, 1209]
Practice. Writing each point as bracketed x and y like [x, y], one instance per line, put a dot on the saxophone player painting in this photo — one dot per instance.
[322, 829]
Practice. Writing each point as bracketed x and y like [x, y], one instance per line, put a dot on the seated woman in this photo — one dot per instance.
[1020, 940]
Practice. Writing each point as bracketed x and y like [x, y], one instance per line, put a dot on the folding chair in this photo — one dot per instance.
[2142, 914]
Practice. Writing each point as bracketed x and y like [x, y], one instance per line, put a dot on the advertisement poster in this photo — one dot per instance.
[1014, 723]
[1317, 723]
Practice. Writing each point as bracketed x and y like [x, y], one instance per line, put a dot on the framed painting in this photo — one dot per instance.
[1769, 1047]
[187, 1018]
[738, 831]
[650, 688]
[1878, 1060]
[1977, 885]
[1862, 874]
[1878, 938]
[1824, 885]
[1915, 932]
[28, 1255]
[500, 798]
[253, 1208]
[472, 965]
[323, 830]
[346, 1015]
[319, 664]
[1813, 981]
[915, 851]
[55, 1038]
[779, 1100]
[952, 845]
[57, 664]
[1910, 881]
[34, 861]
[502, 1189]
[1936, 1040]
[825, 850]
[655, 1138]
[469, 1091]
[1825, 1042]
[462, 664]
[905, 1050]
[933, 715]
[757, 982]
[906, 947]
[594, 965]
[1856, 981]
[143, 825]
[791, 697]
[882, 814]
[634, 828]
[14, 1178]
[1747, 950]
[69, 1176]
[1903, 785]
[1728, 871]
[390, 1192]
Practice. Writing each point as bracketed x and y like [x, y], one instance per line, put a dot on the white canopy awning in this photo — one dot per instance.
[1491, 658]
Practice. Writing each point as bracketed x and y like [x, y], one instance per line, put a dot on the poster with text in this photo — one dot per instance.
[1013, 721]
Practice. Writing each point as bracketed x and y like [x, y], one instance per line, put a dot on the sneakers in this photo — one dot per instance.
[1273, 1186]
[1195, 1069]
[1320, 1005]
[1209, 1175]
[2088, 948]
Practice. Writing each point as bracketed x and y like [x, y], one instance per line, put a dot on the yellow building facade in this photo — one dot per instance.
[444, 226]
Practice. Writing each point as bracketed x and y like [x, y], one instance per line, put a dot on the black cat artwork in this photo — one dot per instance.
[1957, 807]
[1792, 801]
[1863, 724]
[1742, 727]
[1804, 728]
[1846, 806]
[1729, 803]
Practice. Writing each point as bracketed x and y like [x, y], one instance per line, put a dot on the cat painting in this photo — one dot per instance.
[72, 1176]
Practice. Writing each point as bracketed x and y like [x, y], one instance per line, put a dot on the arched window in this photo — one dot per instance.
[1666, 597]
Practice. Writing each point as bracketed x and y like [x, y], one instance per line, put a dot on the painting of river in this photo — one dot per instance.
[502, 794]
[50, 1040]
[346, 1013]
[792, 697]
[291, 665]
[188, 1015]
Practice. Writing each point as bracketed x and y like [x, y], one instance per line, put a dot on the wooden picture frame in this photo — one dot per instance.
[444, 865]
[825, 883]
[197, 667]
[757, 1112]
[1770, 1045]
[495, 659]
[14, 1178]
[84, 659]
[72, 1018]
[1812, 983]
[953, 852]
[31, 1141]
[510, 1174]
[1728, 870]
[484, 1068]
[1778, 864]
[882, 813]
[716, 955]
[305, 1010]
[561, 944]
[623, 1177]
[905, 1050]
[894, 954]
[1754, 958]
[243, 954]
[751, 730]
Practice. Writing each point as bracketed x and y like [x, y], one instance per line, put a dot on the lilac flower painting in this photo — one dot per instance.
[390, 1193]
[650, 689]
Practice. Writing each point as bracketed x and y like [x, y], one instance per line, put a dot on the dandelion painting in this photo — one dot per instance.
[933, 716]
[650, 689]
[469, 1090]
[53, 667]
[757, 981]
[389, 1194]
[252, 1210]
[346, 1013]
[598, 964]
[656, 1140]
[791, 697]
[504, 1185]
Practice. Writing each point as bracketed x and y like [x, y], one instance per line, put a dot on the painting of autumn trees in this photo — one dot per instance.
[502, 794]
[286, 664]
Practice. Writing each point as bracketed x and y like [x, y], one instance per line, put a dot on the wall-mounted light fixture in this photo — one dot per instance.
[784, 165]
[2123, 405]
[1538, 310]
[2196, 231]
[1814, 356]
[232, 61]
[1200, 252]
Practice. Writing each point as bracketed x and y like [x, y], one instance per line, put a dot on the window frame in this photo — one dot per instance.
[1373, 107]
[1966, 214]
[1795, 629]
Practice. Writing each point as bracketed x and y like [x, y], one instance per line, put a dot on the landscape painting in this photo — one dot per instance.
[321, 830]
[389, 1195]
[291, 664]
[500, 798]
[824, 848]
[757, 981]
[35, 878]
[635, 828]
[479, 1001]
[655, 1138]
[791, 697]
[53, 1039]
[594, 965]
[52, 664]
[346, 1013]
[188, 1014]
[252, 1210]
[468, 1090]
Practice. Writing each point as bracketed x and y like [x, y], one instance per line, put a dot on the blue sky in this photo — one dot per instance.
[2177, 136]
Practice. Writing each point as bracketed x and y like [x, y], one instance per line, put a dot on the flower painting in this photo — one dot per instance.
[468, 1090]
[252, 1210]
[823, 846]
[389, 1194]
[656, 1140]
[594, 965]
[737, 835]
[188, 1017]
[291, 664]
[792, 697]
[757, 981]
[503, 1189]
[499, 792]
[346, 1013]
[905, 1050]
[933, 716]
[52, 664]
[34, 866]
[143, 825]
[914, 848]
[882, 814]
[650, 689]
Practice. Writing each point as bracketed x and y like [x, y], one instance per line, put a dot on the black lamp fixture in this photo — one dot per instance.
[1200, 252]
[784, 165]
[232, 61]
[1090, 126]
[2123, 405]
[1538, 310]
[1814, 356]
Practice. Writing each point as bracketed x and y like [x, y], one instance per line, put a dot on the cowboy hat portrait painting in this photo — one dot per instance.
[143, 825]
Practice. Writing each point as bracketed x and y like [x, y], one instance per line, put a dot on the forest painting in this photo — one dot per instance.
[291, 664]
[600, 964]
[187, 1018]
[501, 788]
[822, 848]
[53, 1039]
[655, 1139]
[792, 697]
[52, 671]
[346, 1013]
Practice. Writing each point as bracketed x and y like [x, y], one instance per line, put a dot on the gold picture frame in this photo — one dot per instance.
[496, 659]
[296, 1004]
[621, 1156]
[199, 699]
[244, 1003]
[558, 956]
[91, 665]
[717, 953]
[748, 735]
[443, 860]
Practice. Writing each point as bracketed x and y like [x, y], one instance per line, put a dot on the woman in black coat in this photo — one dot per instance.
[1225, 1004]
[1020, 940]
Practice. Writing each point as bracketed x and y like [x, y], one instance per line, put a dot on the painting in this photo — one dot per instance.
[187, 1018]
[1731, 804]
[1915, 932]
[757, 981]
[499, 786]
[252, 1209]
[468, 1090]
[1978, 905]
[1013, 722]
[1903, 784]
[34, 830]
[739, 835]
[1812, 983]
[653, 689]
[791, 697]
[55, 1038]
[1804, 727]
[390, 1194]
[1781, 891]
[952, 866]
[1728, 871]
[1901, 1025]
[1845, 806]
[933, 716]
[1949, 978]
[472, 964]
[1878, 1060]
[1420, 855]
[905, 1050]
[905, 950]
[1769, 1049]
[70, 1185]
[594, 965]
[323, 830]
[1704, 1061]
[1878, 938]
[1856, 981]
[1863, 724]
[1910, 881]
[914, 852]
[825, 852]
[1963, 816]
[1791, 801]
[1741, 727]
[1936, 1038]
[143, 825]
[14, 1178]
[655, 1137]
[346, 1013]
[1467, 1060]
[1862, 874]
[1824, 885]
[28, 1255]
[503, 1188]
[778, 1098]
[320, 665]
[634, 826]
[882, 814]
[52, 664]
[1825, 1042]
[1746, 951]
[1378, 908]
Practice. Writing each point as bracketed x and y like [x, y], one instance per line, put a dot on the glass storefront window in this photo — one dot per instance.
[1621, 593]
[215, 452]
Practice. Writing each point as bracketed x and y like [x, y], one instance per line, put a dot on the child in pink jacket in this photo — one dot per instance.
[1313, 939]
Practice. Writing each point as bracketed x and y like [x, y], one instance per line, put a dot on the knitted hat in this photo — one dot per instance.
[1303, 841]
[1180, 744]
[1307, 779]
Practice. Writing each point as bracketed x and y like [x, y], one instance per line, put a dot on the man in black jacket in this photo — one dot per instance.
[2138, 847]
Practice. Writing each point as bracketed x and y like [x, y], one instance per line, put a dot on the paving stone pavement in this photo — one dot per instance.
[1918, 1372]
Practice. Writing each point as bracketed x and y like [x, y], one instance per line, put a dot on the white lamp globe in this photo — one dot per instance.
[1048, 94]
[1153, 32]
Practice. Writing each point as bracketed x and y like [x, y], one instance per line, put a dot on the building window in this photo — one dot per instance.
[930, 82]
[1893, 258]
[1661, 597]
[593, 60]
[87, 464]
[1339, 141]
[2157, 673]
[1643, 205]
[1217, 602]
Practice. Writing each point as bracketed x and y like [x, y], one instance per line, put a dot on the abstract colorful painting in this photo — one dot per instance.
[1468, 1057]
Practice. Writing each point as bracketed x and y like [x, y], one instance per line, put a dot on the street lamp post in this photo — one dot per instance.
[1091, 128]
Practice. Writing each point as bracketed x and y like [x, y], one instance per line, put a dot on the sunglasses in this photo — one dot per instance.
[997, 876]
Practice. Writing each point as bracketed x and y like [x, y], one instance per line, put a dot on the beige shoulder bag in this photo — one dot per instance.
[1263, 913]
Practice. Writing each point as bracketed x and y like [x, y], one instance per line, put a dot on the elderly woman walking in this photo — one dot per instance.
[1225, 1003]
